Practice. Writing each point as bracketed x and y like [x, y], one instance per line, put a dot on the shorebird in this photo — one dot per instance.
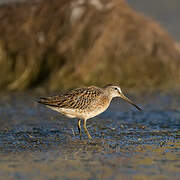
[85, 103]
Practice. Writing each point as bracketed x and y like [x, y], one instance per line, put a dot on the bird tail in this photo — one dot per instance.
[43, 100]
[50, 101]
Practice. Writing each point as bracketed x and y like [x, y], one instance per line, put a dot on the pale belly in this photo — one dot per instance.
[95, 112]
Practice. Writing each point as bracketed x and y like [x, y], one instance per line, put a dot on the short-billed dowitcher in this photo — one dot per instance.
[84, 103]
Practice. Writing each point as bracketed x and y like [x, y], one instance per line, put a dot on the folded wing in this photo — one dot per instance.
[74, 99]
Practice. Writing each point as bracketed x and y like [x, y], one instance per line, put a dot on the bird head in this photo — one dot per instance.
[115, 91]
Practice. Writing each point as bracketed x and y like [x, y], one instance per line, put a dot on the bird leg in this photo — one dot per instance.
[79, 127]
[85, 129]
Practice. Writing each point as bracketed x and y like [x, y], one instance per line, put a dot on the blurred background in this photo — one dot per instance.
[56, 44]
[50, 45]
[165, 12]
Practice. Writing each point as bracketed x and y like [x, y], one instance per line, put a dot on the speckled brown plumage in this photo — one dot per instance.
[79, 98]
[84, 103]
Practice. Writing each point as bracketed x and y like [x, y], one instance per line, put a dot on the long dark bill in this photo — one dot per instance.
[129, 101]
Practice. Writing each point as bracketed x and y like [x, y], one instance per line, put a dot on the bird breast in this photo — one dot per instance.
[97, 107]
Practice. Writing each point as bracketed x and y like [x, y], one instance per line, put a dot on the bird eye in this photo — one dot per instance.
[116, 89]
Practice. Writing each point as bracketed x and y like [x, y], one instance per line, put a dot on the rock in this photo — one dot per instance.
[60, 44]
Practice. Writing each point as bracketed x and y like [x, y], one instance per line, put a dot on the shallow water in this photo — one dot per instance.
[38, 143]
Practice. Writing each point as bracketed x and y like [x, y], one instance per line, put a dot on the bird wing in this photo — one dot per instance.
[74, 99]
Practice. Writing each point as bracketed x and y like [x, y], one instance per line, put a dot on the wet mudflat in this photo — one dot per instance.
[38, 143]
